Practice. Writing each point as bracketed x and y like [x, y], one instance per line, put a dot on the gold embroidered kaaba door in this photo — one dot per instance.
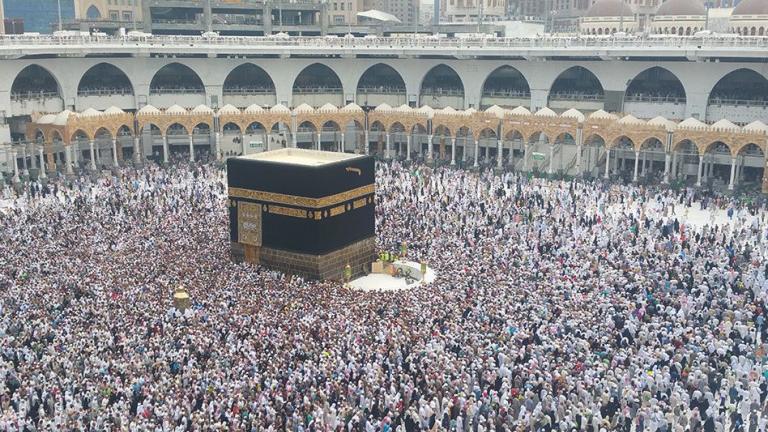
[249, 230]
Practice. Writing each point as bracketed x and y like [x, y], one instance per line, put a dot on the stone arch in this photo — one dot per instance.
[254, 127]
[122, 129]
[316, 76]
[441, 81]
[104, 78]
[381, 74]
[248, 78]
[229, 128]
[719, 145]
[507, 82]
[78, 134]
[176, 77]
[35, 79]
[176, 129]
[103, 132]
[576, 81]
[93, 13]
[740, 84]
[656, 82]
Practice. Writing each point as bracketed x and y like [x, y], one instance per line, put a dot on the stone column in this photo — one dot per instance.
[114, 151]
[499, 153]
[464, 150]
[733, 173]
[137, 148]
[550, 169]
[42, 164]
[341, 144]
[15, 167]
[453, 150]
[674, 165]
[607, 162]
[165, 149]
[525, 157]
[637, 162]
[319, 140]
[667, 161]
[366, 144]
[408, 147]
[93, 157]
[191, 148]
[217, 145]
[69, 150]
[387, 154]
[429, 147]
[477, 151]
[579, 169]
[701, 167]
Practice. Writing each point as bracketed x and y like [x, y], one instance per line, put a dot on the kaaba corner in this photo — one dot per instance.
[303, 212]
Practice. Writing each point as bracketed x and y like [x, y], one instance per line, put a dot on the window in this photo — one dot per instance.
[335, 6]
[349, 5]
[338, 19]
[342, 5]
[127, 16]
[114, 15]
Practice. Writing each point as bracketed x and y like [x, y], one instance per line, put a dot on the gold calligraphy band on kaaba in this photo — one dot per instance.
[299, 201]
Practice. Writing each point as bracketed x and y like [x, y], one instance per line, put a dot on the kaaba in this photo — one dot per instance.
[303, 212]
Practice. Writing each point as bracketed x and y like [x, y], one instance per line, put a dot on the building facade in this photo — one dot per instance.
[40, 16]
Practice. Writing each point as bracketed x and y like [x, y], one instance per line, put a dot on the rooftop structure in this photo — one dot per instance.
[302, 157]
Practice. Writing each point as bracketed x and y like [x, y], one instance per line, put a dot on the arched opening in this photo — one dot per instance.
[306, 135]
[81, 151]
[201, 141]
[397, 139]
[652, 160]
[104, 79]
[716, 162]
[685, 162]
[465, 145]
[488, 147]
[176, 78]
[178, 141]
[316, 85]
[442, 143]
[577, 87]
[103, 147]
[376, 139]
[330, 136]
[740, 96]
[655, 85]
[124, 143]
[34, 82]
[749, 168]
[93, 13]
[624, 149]
[379, 84]
[595, 159]
[506, 87]
[255, 138]
[152, 134]
[280, 136]
[419, 141]
[248, 84]
[537, 154]
[442, 87]
[513, 148]
[231, 140]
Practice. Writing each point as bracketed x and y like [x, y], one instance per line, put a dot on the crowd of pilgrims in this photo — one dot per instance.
[557, 306]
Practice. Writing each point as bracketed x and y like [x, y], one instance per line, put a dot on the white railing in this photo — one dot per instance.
[654, 99]
[574, 42]
[176, 90]
[105, 92]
